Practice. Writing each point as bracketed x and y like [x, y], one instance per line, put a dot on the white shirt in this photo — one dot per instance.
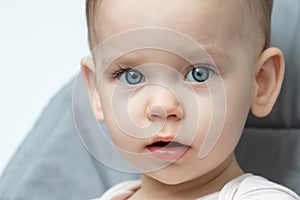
[245, 187]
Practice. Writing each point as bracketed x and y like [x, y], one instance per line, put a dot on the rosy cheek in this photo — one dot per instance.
[137, 106]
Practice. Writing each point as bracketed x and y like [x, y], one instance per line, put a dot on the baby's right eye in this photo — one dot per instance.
[131, 77]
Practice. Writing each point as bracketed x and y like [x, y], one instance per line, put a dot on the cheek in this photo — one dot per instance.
[122, 140]
[119, 138]
[229, 116]
[238, 102]
[204, 122]
[239, 98]
[137, 109]
[123, 118]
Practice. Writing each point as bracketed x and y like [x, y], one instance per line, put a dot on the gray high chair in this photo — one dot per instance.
[52, 163]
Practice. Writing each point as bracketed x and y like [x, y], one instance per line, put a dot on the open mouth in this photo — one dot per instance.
[166, 144]
[169, 150]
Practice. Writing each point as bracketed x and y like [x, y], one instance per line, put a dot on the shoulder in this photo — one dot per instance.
[250, 187]
[121, 191]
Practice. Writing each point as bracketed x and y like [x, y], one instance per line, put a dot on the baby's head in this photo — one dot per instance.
[174, 80]
[254, 17]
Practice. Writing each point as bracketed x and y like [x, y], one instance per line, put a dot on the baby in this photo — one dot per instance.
[174, 82]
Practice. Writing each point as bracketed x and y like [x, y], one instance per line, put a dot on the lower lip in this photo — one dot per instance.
[168, 153]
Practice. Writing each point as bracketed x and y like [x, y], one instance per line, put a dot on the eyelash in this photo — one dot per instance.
[116, 74]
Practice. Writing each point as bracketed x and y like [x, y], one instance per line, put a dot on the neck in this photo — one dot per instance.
[193, 189]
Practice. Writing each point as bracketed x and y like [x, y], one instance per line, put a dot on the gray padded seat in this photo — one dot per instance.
[53, 164]
[271, 146]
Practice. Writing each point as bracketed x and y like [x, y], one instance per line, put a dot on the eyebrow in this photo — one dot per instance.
[212, 52]
[215, 52]
[128, 57]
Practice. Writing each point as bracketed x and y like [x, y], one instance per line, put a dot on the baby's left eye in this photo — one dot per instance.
[200, 73]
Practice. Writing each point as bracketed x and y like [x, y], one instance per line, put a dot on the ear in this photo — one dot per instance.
[268, 81]
[90, 79]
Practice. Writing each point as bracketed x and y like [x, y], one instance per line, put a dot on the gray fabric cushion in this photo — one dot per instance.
[52, 163]
[271, 146]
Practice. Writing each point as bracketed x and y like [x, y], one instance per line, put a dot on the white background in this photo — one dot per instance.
[41, 44]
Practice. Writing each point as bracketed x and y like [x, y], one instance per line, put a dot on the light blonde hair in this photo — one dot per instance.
[91, 10]
[258, 11]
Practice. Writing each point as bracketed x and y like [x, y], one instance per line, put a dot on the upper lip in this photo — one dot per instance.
[165, 139]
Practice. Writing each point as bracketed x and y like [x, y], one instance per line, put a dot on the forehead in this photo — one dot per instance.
[201, 19]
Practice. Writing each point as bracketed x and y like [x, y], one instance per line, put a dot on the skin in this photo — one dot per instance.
[252, 81]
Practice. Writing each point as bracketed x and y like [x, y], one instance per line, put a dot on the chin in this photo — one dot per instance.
[168, 178]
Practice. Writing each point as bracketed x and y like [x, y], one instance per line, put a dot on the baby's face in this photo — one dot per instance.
[181, 103]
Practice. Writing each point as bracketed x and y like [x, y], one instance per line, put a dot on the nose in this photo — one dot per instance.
[163, 104]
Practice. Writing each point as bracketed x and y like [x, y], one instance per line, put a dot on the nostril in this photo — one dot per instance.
[174, 116]
[157, 111]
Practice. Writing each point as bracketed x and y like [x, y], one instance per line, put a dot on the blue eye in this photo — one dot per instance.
[132, 77]
[199, 74]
